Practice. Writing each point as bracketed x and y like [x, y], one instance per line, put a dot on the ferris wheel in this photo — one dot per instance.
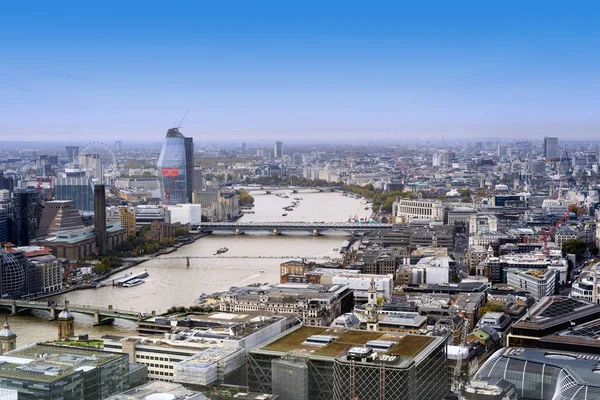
[110, 167]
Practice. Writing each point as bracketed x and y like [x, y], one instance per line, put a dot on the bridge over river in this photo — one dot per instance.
[102, 315]
[278, 227]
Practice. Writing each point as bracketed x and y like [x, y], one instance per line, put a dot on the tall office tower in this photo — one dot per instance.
[3, 225]
[100, 217]
[197, 178]
[119, 145]
[172, 168]
[278, 150]
[6, 182]
[189, 167]
[244, 148]
[26, 211]
[72, 153]
[77, 188]
[550, 148]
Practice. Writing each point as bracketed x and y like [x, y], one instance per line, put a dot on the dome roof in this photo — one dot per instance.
[65, 313]
[12, 274]
[6, 331]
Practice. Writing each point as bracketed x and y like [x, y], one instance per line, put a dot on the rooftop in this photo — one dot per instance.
[48, 363]
[403, 345]
[550, 311]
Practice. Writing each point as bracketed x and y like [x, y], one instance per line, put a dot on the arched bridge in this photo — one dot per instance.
[293, 189]
[102, 315]
[278, 227]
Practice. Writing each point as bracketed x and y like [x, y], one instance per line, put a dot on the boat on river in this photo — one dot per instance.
[222, 250]
[133, 282]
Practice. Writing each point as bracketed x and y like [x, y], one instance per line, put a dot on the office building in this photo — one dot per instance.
[278, 150]
[78, 189]
[544, 375]
[185, 214]
[6, 183]
[315, 305]
[406, 210]
[197, 349]
[326, 364]
[45, 371]
[189, 168]
[100, 218]
[173, 169]
[244, 148]
[128, 220]
[197, 180]
[551, 315]
[26, 212]
[59, 215]
[72, 153]
[12, 274]
[118, 145]
[550, 148]
[539, 282]
[3, 224]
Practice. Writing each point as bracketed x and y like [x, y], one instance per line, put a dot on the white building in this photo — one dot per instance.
[482, 223]
[360, 283]
[538, 282]
[185, 214]
[437, 269]
[407, 210]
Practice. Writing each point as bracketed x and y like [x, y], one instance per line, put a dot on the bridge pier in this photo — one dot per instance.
[98, 319]
[13, 307]
[275, 232]
[52, 316]
[238, 232]
[315, 232]
[187, 261]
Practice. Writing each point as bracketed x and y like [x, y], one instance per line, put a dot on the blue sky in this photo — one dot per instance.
[294, 70]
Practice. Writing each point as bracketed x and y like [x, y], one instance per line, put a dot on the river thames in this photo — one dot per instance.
[172, 283]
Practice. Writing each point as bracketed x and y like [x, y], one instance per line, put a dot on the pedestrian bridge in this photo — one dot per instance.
[102, 315]
[278, 227]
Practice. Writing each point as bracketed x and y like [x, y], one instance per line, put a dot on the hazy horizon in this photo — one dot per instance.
[299, 71]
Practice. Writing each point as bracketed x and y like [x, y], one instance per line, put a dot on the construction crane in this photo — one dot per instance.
[558, 223]
[185, 115]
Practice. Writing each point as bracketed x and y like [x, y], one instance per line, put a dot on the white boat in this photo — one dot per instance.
[133, 282]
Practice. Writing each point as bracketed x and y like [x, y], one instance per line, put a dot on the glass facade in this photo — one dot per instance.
[12, 275]
[78, 189]
[172, 169]
[539, 375]
[3, 225]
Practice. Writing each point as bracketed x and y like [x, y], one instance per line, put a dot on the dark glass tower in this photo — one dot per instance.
[189, 167]
[172, 167]
[26, 212]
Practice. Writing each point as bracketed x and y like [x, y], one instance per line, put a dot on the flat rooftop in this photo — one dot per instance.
[295, 341]
[48, 363]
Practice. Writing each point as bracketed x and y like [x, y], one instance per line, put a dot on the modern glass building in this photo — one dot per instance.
[3, 224]
[545, 375]
[172, 168]
[12, 275]
[79, 189]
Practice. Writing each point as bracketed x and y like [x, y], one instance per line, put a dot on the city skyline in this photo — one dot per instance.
[392, 72]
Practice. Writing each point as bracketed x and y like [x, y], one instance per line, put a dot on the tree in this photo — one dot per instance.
[180, 231]
[244, 198]
[574, 246]
[491, 306]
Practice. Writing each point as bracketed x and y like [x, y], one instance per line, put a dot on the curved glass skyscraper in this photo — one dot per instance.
[176, 155]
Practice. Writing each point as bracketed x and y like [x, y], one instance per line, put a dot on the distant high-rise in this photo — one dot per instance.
[119, 145]
[278, 150]
[244, 148]
[197, 178]
[26, 212]
[172, 167]
[100, 217]
[189, 167]
[72, 153]
[550, 148]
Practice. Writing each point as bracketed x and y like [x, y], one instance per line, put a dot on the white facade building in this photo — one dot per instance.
[360, 284]
[185, 214]
[407, 210]
[538, 282]
[437, 269]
